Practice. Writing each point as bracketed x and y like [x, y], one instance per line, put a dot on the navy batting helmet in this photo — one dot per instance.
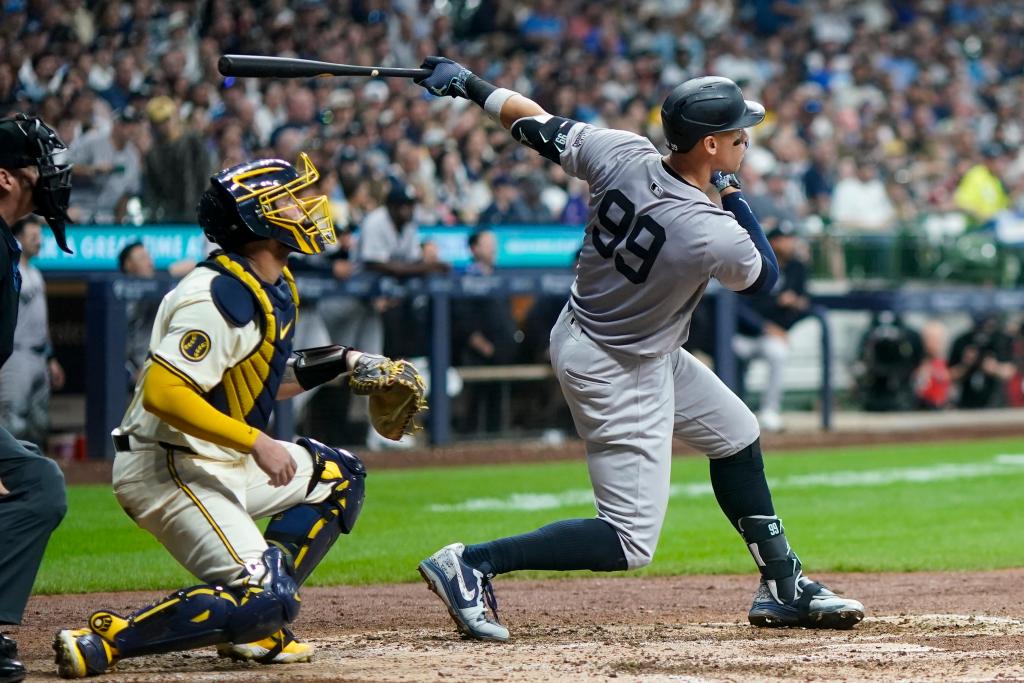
[703, 106]
[265, 199]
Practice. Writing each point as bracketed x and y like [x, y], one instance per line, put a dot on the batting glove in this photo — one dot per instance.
[447, 78]
[723, 180]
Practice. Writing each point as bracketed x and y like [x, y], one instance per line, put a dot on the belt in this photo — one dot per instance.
[123, 444]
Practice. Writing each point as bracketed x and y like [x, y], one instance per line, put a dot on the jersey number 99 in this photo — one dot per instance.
[626, 228]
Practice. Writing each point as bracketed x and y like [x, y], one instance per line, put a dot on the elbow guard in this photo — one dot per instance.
[545, 133]
[321, 364]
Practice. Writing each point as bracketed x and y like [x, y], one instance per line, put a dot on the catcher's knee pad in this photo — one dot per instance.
[207, 615]
[306, 532]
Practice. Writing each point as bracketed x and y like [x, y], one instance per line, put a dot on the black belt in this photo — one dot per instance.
[122, 444]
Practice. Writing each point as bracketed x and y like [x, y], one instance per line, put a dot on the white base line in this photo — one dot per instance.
[1000, 465]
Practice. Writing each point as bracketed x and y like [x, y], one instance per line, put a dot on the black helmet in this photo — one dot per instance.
[702, 106]
[263, 199]
[27, 141]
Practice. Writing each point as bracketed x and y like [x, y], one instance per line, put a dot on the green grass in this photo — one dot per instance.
[961, 523]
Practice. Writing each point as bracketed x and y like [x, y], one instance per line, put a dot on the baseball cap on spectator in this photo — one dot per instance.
[160, 109]
[993, 150]
[400, 193]
[376, 91]
[340, 98]
[129, 115]
[785, 228]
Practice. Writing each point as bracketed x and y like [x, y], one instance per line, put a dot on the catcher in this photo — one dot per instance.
[194, 466]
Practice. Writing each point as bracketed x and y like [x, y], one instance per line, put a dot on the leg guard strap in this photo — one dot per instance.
[779, 565]
[306, 532]
[206, 615]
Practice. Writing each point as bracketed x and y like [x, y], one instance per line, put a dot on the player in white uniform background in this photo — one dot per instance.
[194, 465]
[653, 241]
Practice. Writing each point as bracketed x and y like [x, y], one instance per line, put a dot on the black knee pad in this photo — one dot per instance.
[347, 475]
[306, 532]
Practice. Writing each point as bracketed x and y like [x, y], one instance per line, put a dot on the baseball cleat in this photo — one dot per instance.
[80, 653]
[463, 590]
[814, 607]
[279, 648]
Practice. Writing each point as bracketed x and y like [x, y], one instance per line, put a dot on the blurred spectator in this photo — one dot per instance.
[107, 170]
[773, 203]
[981, 192]
[508, 206]
[177, 168]
[26, 379]
[861, 205]
[765, 321]
[979, 363]
[860, 202]
[841, 81]
[388, 243]
[135, 261]
[484, 334]
[389, 240]
[932, 380]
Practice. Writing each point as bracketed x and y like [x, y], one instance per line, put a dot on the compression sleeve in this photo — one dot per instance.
[738, 207]
[174, 400]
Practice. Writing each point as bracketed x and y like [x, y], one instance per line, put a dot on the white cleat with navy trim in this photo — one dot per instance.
[463, 590]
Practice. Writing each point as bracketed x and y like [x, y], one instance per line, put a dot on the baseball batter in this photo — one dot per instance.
[194, 466]
[653, 241]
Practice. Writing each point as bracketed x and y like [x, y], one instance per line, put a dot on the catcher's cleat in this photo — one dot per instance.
[814, 607]
[80, 653]
[279, 648]
[463, 590]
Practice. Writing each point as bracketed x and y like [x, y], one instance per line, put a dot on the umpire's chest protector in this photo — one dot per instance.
[248, 388]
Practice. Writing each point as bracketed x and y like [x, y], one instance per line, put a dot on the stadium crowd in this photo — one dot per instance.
[877, 111]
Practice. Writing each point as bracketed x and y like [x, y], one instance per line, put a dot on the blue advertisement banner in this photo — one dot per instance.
[96, 247]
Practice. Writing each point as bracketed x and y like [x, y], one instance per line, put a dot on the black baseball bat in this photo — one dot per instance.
[258, 66]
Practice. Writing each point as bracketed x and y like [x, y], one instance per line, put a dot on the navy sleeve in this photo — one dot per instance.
[738, 207]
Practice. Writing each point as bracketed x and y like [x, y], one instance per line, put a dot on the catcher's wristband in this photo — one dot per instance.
[320, 364]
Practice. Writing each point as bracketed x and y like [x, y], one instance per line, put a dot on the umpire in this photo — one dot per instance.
[33, 178]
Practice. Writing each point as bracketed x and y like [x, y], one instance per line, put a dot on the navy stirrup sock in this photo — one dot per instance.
[571, 544]
[740, 486]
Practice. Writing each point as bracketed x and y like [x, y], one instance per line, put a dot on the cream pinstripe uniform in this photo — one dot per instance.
[197, 498]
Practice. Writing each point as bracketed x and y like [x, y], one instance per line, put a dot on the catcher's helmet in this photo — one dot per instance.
[703, 106]
[27, 141]
[263, 199]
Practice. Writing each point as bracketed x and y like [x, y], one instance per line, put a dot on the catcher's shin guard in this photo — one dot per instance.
[206, 615]
[306, 532]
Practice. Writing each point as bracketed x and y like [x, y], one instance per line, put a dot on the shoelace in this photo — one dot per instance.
[491, 599]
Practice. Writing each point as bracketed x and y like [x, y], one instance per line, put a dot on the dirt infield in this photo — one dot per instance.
[921, 627]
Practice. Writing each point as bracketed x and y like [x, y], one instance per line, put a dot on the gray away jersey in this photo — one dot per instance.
[652, 244]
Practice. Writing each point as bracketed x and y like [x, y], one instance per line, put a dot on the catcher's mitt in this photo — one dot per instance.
[396, 393]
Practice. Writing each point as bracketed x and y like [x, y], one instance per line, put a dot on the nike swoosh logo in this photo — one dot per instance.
[542, 138]
[467, 595]
[285, 328]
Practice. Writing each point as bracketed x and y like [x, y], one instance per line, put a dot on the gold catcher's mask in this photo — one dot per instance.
[267, 199]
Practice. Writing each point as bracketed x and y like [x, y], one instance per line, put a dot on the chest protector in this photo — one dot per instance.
[248, 389]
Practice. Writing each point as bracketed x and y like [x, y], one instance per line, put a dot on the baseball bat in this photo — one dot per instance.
[258, 66]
